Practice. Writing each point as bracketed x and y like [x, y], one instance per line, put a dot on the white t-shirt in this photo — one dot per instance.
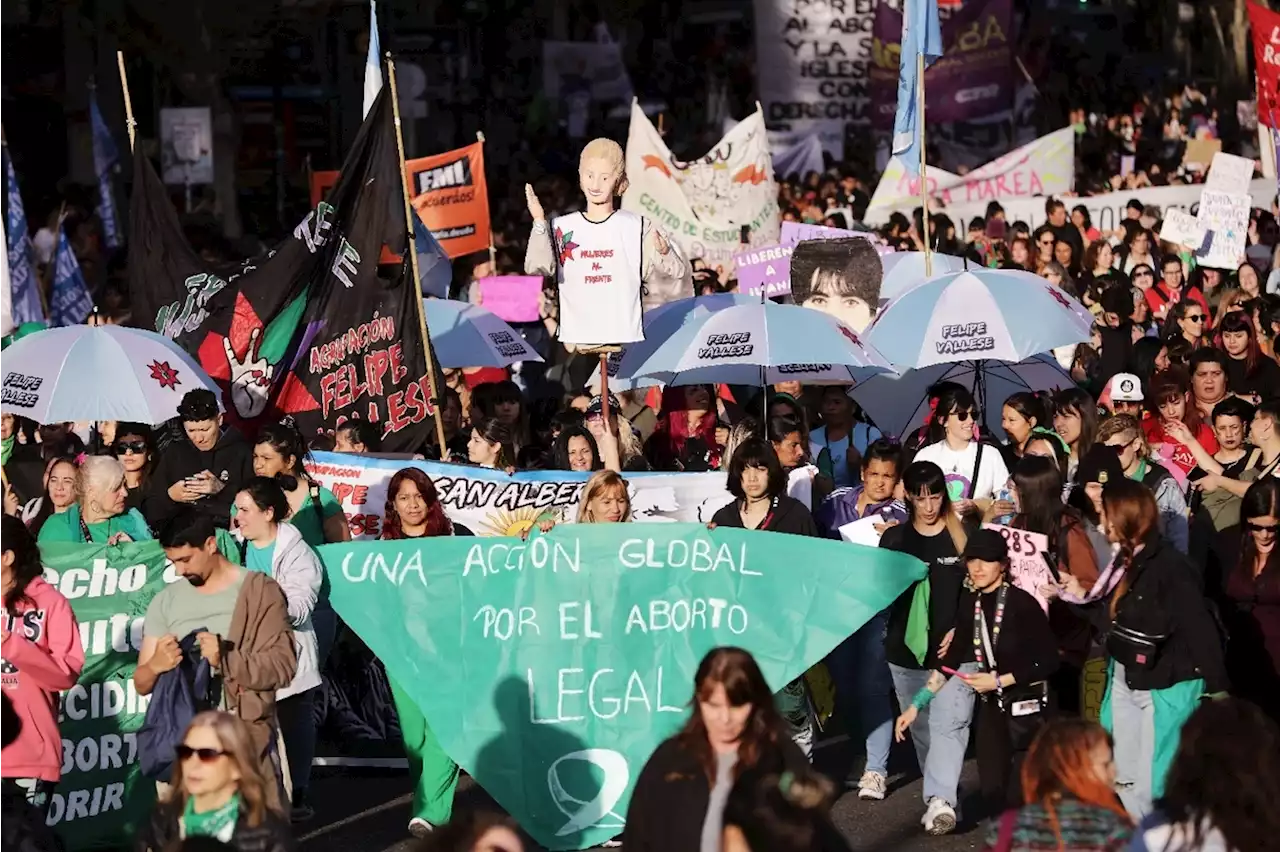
[599, 271]
[860, 436]
[958, 468]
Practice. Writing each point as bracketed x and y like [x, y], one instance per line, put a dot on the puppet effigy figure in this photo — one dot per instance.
[601, 257]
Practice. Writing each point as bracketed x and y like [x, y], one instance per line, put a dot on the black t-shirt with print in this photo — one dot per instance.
[946, 577]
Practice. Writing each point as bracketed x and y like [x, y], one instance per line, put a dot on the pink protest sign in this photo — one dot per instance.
[1027, 566]
[513, 298]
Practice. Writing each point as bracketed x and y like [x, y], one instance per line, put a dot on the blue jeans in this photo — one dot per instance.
[906, 683]
[1133, 726]
[951, 713]
[862, 681]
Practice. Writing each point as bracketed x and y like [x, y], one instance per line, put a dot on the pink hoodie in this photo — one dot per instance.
[42, 656]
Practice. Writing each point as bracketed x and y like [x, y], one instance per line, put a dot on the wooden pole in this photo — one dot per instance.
[413, 258]
[604, 388]
[128, 104]
[493, 253]
[924, 182]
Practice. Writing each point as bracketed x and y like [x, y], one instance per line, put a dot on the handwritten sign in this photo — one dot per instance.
[513, 298]
[574, 652]
[1228, 173]
[1225, 215]
[767, 269]
[1027, 568]
[1182, 228]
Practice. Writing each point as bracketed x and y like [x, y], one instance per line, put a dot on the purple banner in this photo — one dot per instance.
[767, 269]
[794, 232]
[973, 79]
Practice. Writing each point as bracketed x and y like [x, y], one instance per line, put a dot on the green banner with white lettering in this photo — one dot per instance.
[549, 669]
[102, 796]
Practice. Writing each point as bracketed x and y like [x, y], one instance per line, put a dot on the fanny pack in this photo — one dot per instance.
[1132, 648]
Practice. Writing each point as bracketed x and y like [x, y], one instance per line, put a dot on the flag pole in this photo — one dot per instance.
[411, 248]
[924, 182]
[493, 252]
[128, 104]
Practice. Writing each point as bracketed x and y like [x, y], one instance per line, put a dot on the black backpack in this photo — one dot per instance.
[179, 694]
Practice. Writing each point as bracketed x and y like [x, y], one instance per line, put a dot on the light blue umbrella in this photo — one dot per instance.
[467, 335]
[659, 324]
[761, 343]
[95, 373]
[970, 316]
[905, 269]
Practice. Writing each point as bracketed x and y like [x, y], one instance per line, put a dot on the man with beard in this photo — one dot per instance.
[240, 624]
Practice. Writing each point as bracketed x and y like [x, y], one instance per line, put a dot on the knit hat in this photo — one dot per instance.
[1101, 464]
[986, 545]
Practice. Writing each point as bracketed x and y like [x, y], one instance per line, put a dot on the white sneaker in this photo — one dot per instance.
[872, 786]
[939, 818]
[419, 827]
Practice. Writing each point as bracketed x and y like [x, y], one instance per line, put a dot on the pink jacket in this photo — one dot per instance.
[42, 656]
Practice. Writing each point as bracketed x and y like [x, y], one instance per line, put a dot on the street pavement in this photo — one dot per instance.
[366, 810]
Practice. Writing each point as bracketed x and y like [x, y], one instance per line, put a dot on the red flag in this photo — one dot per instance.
[1266, 57]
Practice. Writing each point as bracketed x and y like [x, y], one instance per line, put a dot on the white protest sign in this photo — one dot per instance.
[863, 531]
[1027, 567]
[1229, 173]
[813, 64]
[1182, 228]
[1225, 215]
[704, 203]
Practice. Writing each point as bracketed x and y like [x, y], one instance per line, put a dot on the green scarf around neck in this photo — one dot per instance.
[219, 822]
[6, 449]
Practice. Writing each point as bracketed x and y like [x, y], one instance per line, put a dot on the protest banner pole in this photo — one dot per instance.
[924, 183]
[411, 249]
[493, 253]
[128, 103]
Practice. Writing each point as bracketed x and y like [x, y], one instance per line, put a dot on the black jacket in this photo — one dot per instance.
[25, 472]
[161, 833]
[1164, 597]
[670, 801]
[790, 516]
[1025, 646]
[231, 460]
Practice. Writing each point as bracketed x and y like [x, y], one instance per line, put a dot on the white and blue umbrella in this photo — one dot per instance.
[970, 316]
[659, 324]
[466, 335]
[760, 343]
[94, 373]
[898, 404]
[905, 269]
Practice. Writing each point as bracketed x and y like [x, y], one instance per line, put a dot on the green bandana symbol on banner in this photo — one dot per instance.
[551, 668]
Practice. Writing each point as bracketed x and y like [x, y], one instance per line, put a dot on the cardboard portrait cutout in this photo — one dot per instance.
[839, 277]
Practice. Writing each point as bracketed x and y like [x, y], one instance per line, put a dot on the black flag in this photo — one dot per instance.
[309, 329]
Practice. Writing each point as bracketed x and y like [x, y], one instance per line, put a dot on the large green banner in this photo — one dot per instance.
[550, 668]
[102, 796]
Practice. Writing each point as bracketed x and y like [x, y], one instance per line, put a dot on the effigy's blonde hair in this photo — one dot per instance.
[611, 153]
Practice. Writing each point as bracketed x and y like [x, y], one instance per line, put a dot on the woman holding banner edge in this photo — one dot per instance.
[414, 510]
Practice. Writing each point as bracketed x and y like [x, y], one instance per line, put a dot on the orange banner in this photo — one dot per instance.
[450, 194]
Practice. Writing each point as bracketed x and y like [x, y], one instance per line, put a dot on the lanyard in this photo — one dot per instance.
[984, 643]
[768, 518]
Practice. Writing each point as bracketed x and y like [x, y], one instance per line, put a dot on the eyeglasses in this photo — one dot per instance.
[962, 416]
[204, 755]
[1261, 528]
[1194, 317]
[1144, 275]
[1046, 242]
[131, 447]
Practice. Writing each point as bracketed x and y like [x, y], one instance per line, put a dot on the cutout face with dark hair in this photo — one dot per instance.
[838, 277]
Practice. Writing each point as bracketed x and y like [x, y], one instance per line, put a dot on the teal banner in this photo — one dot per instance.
[549, 669]
[102, 797]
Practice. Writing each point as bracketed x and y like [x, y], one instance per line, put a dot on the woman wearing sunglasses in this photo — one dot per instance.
[217, 792]
[132, 447]
[974, 471]
[1250, 599]
[1186, 320]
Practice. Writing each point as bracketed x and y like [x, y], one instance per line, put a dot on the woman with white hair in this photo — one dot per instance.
[100, 515]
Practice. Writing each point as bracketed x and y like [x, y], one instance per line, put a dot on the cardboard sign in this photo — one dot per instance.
[1229, 173]
[1182, 228]
[513, 298]
[1200, 152]
[1027, 567]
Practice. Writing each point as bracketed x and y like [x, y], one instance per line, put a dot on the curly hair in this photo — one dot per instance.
[1225, 776]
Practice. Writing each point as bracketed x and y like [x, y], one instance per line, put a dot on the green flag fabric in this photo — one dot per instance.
[102, 796]
[550, 668]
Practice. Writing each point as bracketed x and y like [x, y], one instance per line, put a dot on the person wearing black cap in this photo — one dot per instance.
[1005, 651]
[205, 471]
[1115, 330]
[1099, 466]
[620, 449]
